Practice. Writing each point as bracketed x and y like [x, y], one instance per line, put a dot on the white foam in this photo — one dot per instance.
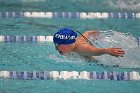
[125, 4]
[120, 40]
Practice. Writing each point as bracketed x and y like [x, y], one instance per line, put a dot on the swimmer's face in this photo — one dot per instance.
[62, 49]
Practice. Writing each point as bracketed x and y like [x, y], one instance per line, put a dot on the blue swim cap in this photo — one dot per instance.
[64, 36]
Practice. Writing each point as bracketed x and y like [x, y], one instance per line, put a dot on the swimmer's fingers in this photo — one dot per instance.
[120, 51]
[117, 52]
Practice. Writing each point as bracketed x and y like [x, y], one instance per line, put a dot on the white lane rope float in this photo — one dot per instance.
[70, 75]
[81, 15]
[30, 39]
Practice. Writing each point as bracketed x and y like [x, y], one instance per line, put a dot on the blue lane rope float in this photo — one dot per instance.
[69, 75]
[30, 39]
[81, 15]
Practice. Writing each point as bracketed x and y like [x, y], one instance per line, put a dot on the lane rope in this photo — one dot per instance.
[81, 15]
[30, 39]
[68, 75]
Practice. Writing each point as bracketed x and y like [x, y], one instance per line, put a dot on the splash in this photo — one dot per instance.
[120, 40]
[70, 58]
[125, 4]
[112, 38]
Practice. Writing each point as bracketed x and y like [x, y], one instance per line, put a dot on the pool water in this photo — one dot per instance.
[71, 5]
[42, 56]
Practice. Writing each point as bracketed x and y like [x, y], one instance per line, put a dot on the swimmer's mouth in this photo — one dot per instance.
[60, 52]
[64, 54]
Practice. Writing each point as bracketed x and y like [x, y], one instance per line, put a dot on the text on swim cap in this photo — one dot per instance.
[64, 37]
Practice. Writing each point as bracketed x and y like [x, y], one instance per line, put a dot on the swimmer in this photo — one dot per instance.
[66, 41]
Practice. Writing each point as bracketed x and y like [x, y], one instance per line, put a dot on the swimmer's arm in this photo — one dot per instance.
[117, 52]
[93, 51]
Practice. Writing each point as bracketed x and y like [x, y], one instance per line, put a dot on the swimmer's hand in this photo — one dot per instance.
[117, 52]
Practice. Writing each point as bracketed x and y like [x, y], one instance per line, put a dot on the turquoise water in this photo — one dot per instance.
[42, 56]
[71, 5]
